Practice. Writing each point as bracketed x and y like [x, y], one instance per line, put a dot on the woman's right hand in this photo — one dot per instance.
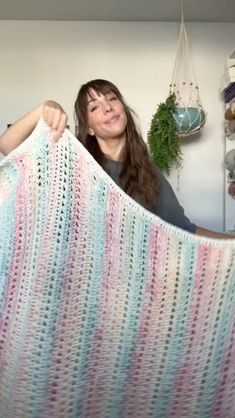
[52, 113]
[55, 117]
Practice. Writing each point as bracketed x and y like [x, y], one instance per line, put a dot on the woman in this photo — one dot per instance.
[108, 131]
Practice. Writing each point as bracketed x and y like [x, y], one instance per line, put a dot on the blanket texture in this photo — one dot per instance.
[106, 311]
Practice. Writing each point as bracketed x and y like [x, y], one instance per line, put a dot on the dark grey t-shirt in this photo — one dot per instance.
[167, 208]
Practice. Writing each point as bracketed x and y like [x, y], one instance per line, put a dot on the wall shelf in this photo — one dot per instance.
[228, 89]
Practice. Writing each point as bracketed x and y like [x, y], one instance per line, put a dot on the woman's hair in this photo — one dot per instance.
[138, 177]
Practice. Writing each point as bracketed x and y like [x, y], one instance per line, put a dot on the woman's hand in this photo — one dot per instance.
[55, 117]
[52, 113]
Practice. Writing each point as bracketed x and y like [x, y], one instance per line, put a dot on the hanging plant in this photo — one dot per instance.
[190, 115]
[182, 114]
[163, 140]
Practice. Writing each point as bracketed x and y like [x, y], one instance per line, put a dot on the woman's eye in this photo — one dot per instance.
[111, 98]
[92, 109]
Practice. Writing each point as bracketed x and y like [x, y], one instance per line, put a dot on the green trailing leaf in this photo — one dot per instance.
[163, 140]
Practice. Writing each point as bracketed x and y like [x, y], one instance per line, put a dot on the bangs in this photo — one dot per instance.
[100, 91]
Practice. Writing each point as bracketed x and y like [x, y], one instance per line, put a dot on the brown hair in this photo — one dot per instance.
[138, 177]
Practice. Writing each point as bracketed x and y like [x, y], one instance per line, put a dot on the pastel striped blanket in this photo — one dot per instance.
[106, 311]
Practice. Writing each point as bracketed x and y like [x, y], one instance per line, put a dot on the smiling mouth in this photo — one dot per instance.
[113, 119]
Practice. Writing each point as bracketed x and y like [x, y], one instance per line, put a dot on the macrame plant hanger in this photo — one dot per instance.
[190, 115]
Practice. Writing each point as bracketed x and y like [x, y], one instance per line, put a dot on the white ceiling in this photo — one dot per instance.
[118, 10]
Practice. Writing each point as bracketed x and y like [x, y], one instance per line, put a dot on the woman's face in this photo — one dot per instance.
[106, 116]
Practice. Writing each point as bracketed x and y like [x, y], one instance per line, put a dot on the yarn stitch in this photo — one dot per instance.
[106, 311]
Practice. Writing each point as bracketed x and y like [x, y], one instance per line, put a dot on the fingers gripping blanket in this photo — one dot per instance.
[105, 310]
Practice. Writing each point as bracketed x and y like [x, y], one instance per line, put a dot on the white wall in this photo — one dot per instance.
[41, 60]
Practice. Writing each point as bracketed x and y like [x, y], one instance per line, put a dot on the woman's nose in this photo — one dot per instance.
[107, 107]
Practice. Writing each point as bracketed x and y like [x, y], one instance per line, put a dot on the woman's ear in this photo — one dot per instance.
[91, 132]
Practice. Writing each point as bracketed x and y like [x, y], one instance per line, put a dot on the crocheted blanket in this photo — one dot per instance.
[106, 311]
